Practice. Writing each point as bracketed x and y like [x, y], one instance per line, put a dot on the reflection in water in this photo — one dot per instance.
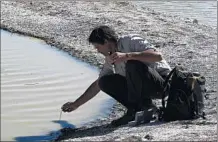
[48, 137]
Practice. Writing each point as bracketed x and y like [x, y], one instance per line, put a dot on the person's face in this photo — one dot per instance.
[103, 48]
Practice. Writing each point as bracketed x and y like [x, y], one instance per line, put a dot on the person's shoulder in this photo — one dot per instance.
[130, 37]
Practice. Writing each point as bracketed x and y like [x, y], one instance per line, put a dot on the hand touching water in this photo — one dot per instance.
[69, 106]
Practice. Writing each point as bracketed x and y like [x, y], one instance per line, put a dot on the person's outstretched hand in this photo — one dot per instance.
[69, 106]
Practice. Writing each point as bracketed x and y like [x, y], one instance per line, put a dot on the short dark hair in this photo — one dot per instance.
[102, 33]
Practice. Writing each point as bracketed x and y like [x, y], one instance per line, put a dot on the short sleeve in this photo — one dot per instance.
[139, 44]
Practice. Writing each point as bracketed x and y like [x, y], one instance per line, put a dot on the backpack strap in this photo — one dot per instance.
[195, 98]
[165, 86]
[163, 94]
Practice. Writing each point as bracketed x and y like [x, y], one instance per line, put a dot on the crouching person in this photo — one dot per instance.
[133, 72]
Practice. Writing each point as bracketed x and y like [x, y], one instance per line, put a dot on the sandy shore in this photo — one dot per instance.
[67, 25]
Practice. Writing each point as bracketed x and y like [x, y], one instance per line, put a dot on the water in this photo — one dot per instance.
[36, 80]
[204, 11]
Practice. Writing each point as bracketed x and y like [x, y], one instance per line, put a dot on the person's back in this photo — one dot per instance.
[136, 43]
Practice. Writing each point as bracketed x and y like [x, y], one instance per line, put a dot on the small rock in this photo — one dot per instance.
[123, 3]
[195, 21]
[148, 137]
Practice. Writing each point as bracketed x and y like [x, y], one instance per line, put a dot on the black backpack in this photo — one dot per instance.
[185, 92]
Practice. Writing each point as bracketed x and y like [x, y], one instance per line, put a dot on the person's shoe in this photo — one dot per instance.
[144, 116]
[129, 116]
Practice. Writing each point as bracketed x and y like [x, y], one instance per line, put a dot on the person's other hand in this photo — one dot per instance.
[69, 106]
[118, 57]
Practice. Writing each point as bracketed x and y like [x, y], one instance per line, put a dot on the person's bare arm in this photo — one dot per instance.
[92, 91]
[144, 56]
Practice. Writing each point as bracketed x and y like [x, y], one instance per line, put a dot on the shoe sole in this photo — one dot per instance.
[142, 117]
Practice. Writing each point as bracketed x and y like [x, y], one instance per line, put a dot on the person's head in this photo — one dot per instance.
[103, 38]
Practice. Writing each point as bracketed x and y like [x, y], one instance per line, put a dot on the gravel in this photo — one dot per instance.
[67, 25]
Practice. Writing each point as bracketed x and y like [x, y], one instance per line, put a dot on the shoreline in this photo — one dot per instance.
[36, 80]
[116, 111]
[116, 108]
[168, 34]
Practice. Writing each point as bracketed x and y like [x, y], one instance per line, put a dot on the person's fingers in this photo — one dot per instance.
[115, 61]
[115, 57]
[68, 107]
[66, 104]
[71, 109]
[65, 108]
[114, 54]
[110, 60]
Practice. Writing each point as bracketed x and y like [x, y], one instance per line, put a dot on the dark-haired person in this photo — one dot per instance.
[139, 72]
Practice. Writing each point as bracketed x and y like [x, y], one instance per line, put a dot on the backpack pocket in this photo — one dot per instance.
[178, 106]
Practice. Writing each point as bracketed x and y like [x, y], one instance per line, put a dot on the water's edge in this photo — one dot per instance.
[64, 124]
[180, 45]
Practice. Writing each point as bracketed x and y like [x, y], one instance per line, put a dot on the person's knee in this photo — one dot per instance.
[132, 65]
[102, 82]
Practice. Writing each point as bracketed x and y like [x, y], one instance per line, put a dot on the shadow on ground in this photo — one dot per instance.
[104, 129]
[49, 136]
[85, 132]
[71, 133]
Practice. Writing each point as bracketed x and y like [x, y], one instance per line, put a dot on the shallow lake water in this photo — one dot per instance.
[204, 11]
[36, 80]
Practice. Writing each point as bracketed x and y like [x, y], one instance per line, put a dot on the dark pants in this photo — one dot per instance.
[136, 90]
